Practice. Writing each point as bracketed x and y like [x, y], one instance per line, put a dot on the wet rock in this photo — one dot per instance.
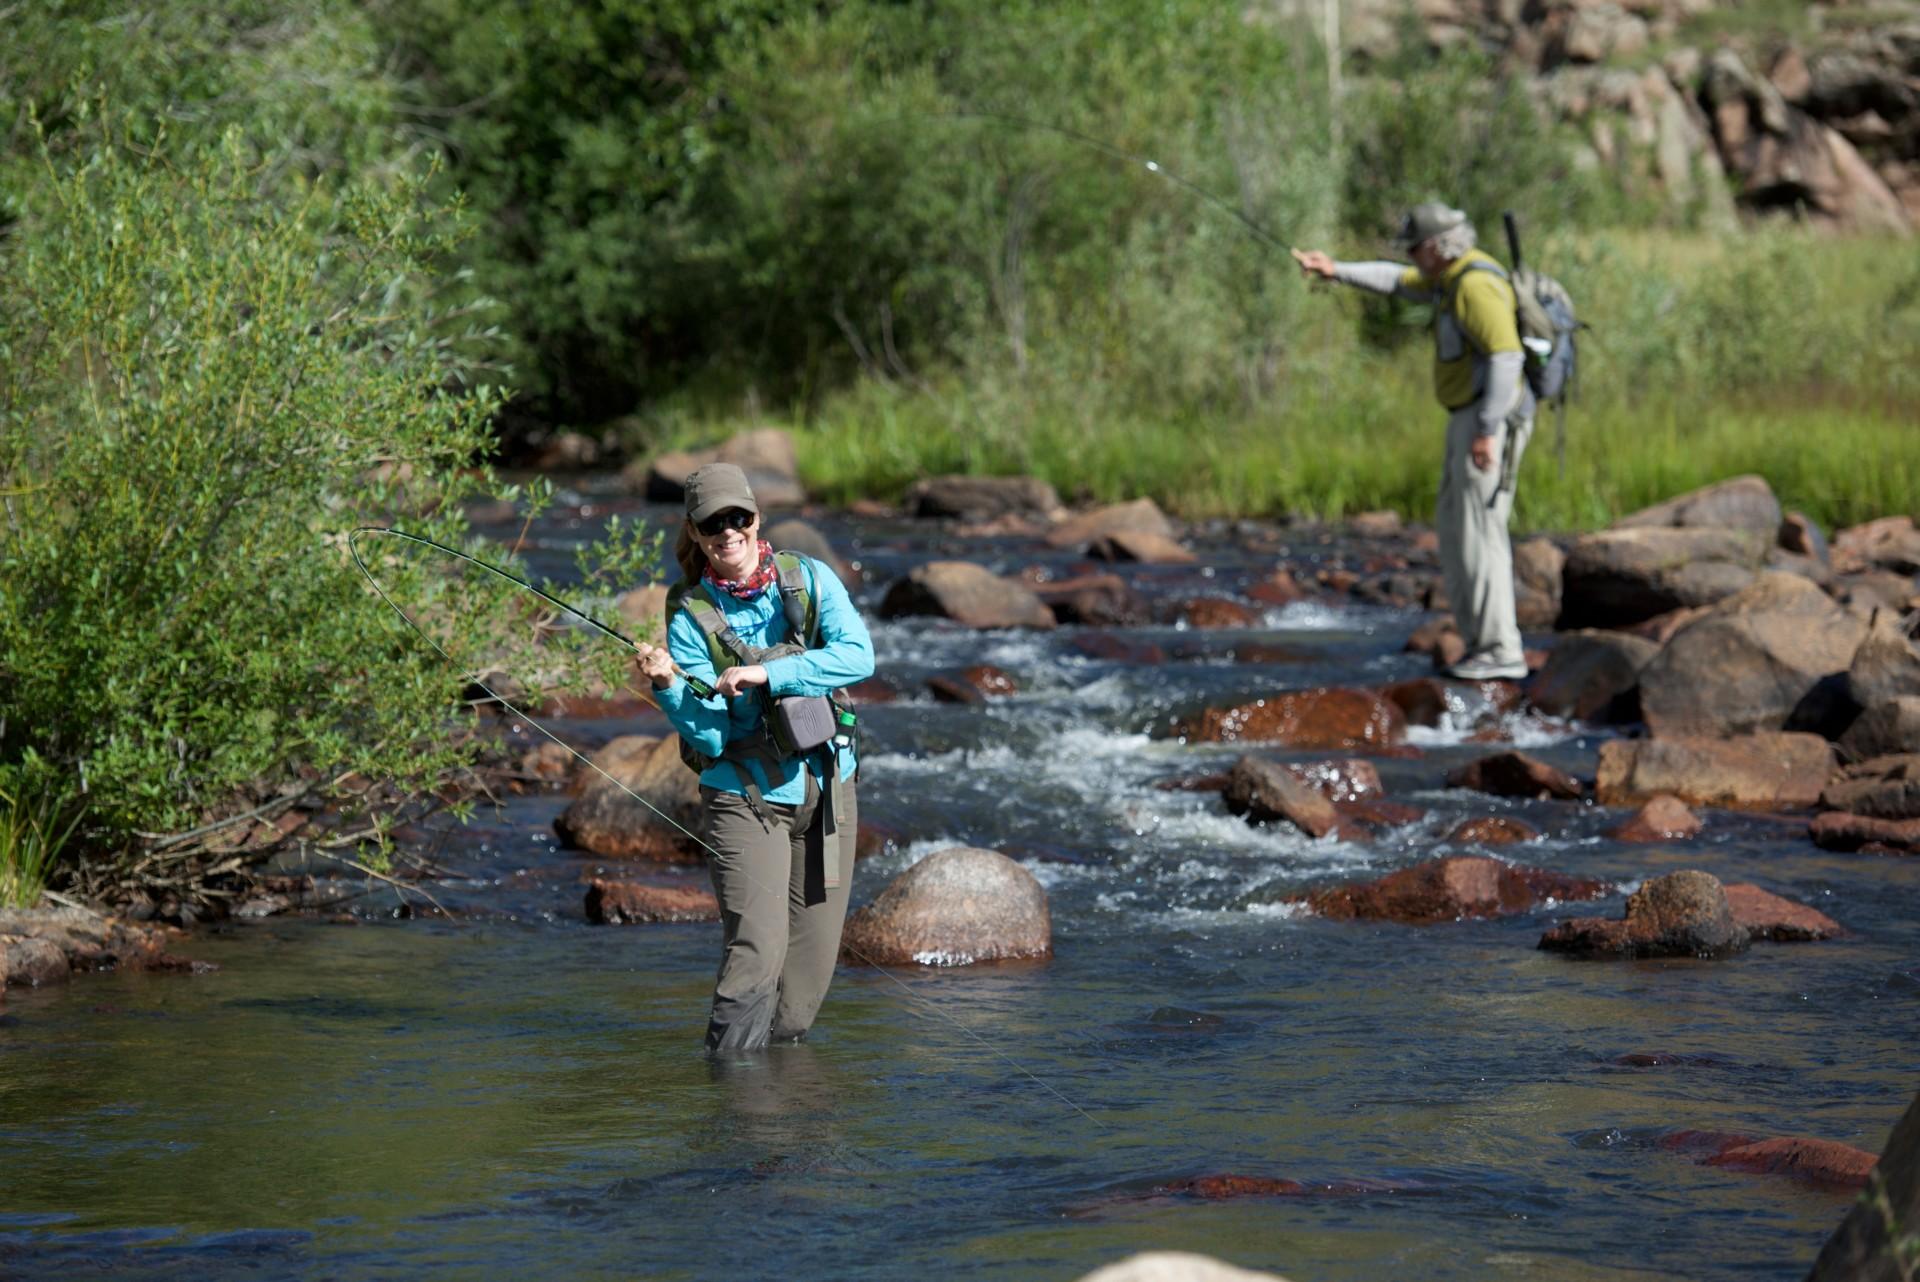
[27, 962]
[1884, 730]
[1764, 915]
[1515, 774]
[1683, 914]
[1429, 701]
[1800, 535]
[968, 594]
[1886, 666]
[1837, 830]
[623, 903]
[953, 908]
[1142, 516]
[1492, 830]
[1378, 813]
[872, 690]
[1824, 1162]
[1104, 600]
[1109, 648]
[1593, 675]
[1625, 576]
[1175, 1266]
[1537, 566]
[1450, 889]
[1881, 788]
[607, 821]
[1278, 588]
[1750, 662]
[795, 535]
[1743, 502]
[1266, 792]
[1743, 772]
[1345, 779]
[1439, 639]
[1217, 612]
[975, 684]
[1863, 1248]
[1318, 718]
[46, 945]
[982, 498]
[1890, 544]
[1661, 818]
[1142, 546]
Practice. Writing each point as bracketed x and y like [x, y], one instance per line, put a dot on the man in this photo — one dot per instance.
[1477, 374]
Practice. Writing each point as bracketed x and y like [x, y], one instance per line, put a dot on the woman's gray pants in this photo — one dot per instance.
[1471, 521]
[779, 951]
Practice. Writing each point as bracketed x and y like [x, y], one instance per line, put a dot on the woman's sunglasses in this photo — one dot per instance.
[733, 518]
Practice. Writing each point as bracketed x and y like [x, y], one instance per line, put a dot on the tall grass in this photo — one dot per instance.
[33, 835]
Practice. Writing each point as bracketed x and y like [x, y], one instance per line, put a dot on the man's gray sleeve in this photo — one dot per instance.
[1376, 278]
[1503, 382]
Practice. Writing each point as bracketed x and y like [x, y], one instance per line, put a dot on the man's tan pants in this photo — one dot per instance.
[779, 951]
[1471, 521]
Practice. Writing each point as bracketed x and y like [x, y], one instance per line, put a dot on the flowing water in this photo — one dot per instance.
[515, 1092]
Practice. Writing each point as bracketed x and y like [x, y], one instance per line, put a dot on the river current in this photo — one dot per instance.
[513, 1092]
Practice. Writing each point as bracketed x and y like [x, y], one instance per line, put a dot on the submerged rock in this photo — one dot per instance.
[616, 903]
[1492, 830]
[1101, 599]
[1764, 915]
[953, 908]
[975, 684]
[1661, 818]
[1837, 830]
[1683, 914]
[1745, 772]
[1449, 889]
[1320, 718]
[607, 821]
[1515, 774]
[1216, 612]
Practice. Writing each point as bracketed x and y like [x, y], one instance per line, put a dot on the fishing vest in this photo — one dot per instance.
[791, 726]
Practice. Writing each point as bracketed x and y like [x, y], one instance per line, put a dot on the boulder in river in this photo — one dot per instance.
[1326, 717]
[1882, 788]
[1492, 830]
[1863, 1248]
[953, 908]
[1141, 546]
[1752, 662]
[1515, 774]
[1176, 1266]
[1430, 701]
[1837, 830]
[982, 498]
[1142, 516]
[1614, 578]
[1449, 889]
[1266, 791]
[1104, 600]
[975, 684]
[966, 593]
[1593, 675]
[607, 821]
[619, 903]
[1743, 772]
[46, 945]
[1765, 915]
[1659, 818]
[1743, 502]
[1683, 914]
[1209, 612]
[1886, 666]
[1537, 567]
[1341, 779]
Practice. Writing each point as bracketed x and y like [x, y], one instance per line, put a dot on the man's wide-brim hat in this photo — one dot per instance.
[1425, 221]
[715, 488]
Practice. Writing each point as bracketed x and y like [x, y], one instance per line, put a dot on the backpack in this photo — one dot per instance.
[788, 726]
[1543, 312]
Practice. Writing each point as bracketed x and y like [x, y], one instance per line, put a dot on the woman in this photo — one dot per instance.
[780, 827]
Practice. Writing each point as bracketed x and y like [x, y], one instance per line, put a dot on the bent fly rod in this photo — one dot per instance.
[1152, 166]
[704, 691]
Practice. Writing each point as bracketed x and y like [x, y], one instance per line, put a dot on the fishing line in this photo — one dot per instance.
[1118, 153]
[700, 688]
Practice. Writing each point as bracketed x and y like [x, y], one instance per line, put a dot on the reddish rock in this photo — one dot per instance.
[1266, 792]
[1318, 718]
[550, 761]
[1193, 783]
[1427, 701]
[874, 838]
[1449, 889]
[46, 945]
[1440, 639]
[617, 903]
[1683, 914]
[1837, 830]
[953, 908]
[606, 820]
[1768, 916]
[1492, 830]
[976, 684]
[1826, 1162]
[1278, 588]
[1423, 700]
[1269, 652]
[1345, 779]
[1662, 818]
[1515, 774]
[1217, 612]
[1141, 546]
[1378, 813]
[872, 690]
[1109, 648]
[1743, 772]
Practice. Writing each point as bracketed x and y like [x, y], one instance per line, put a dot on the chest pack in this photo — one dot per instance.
[791, 726]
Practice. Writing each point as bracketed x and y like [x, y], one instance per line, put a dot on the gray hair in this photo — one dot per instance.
[1454, 242]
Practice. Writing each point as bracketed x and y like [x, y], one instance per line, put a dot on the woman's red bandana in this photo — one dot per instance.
[754, 584]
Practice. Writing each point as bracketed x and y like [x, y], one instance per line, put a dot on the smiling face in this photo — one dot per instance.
[733, 549]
